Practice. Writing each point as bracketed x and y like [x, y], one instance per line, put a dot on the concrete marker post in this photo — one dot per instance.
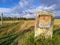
[42, 27]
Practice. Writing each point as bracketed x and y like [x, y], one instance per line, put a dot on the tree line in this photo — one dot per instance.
[15, 18]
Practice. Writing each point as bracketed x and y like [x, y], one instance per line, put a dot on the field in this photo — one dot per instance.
[57, 21]
[22, 33]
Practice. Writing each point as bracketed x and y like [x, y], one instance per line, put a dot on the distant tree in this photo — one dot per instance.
[0, 18]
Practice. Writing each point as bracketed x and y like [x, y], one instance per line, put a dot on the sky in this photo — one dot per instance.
[28, 8]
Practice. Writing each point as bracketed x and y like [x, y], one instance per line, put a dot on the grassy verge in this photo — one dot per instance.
[6, 40]
[54, 41]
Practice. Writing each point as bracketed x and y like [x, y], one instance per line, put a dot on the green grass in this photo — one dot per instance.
[6, 39]
[54, 41]
[5, 28]
[26, 37]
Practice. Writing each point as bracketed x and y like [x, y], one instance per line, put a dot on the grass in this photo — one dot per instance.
[8, 38]
[14, 34]
[54, 41]
[57, 22]
[27, 38]
[22, 33]
[5, 29]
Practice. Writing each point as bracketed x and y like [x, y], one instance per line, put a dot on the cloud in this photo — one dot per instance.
[42, 7]
[12, 15]
[8, 12]
[28, 16]
[32, 12]
[5, 10]
[28, 13]
[57, 13]
[50, 2]
[27, 8]
[23, 3]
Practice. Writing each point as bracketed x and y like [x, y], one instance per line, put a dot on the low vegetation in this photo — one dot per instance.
[22, 33]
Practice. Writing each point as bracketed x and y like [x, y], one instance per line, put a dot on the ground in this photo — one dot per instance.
[22, 33]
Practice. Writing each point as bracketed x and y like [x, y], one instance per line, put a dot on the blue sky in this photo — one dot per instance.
[28, 8]
[8, 3]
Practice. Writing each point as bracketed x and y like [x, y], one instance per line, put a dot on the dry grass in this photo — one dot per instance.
[12, 21]
[25, 27]
[57, 22]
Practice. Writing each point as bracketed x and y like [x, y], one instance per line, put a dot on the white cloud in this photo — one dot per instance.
[52, 7]
[15, 11]
[57, 13]
[42, 7]
[5, 10]
[23, 3]
[12, 15]
[8, 12]
[28, 16]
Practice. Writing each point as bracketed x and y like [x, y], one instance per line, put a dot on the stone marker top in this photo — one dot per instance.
[44, 13]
